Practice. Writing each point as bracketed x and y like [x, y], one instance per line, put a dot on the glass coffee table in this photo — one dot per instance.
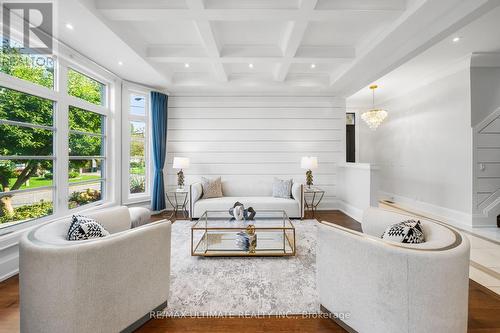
[217, 234]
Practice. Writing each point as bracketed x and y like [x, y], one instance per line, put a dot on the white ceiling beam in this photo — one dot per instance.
[410, 35]
[244, 60]
[363, 4]
[260, 53]
[169, 15]
[208, 38]
[293, 37]
[252, 4]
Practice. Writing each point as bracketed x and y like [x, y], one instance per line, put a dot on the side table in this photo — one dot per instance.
[178, 200]
[312, 198]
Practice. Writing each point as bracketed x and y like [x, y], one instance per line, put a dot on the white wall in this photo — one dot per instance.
[424, 148]
[254, 139]
[357, 188]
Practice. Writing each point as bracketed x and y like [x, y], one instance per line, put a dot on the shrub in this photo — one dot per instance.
[84, 197]
[137, 184]
[48, 175]
[39, 209]
[74, 174]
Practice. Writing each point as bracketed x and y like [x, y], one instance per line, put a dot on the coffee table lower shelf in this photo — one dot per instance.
[222, 243]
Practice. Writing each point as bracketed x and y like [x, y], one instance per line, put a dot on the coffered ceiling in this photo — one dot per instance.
[320, 46]
[249, 42]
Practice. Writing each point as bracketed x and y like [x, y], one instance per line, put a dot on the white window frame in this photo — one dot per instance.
[127, 90]
[68, 58]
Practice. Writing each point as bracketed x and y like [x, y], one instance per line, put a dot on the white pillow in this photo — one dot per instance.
[282, 188]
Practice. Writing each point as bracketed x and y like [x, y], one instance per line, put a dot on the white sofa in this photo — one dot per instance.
[108, 284]
[393, 287]
[257, 195]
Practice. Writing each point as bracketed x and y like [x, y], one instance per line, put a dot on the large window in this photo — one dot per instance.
[26, 156]
[86, 155]
[46, 134]
[138, 144]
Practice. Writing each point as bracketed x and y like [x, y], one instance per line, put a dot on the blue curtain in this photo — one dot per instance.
[159, 124]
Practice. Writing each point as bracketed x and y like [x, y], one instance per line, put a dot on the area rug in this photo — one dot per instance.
[243, 286]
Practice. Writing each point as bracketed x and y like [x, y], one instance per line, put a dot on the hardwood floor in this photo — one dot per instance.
[484, 308]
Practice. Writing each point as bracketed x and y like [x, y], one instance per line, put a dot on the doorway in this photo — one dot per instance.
[350, 132]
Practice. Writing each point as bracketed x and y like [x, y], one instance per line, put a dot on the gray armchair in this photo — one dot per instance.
[102, 285]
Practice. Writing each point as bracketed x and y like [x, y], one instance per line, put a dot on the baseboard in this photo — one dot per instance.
[453, 217]
[351, 211]
[9, 275]
[9, 255]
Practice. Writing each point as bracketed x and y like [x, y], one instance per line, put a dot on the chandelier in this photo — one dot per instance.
[374, 117]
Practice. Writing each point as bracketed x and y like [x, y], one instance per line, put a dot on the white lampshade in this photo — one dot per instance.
[181, 163]
[309, 162]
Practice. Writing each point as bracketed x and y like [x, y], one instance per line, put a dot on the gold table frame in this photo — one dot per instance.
[217, 232]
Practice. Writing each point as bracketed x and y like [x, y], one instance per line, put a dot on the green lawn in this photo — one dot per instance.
[39, 181]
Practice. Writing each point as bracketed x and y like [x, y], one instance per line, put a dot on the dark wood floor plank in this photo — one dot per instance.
[484, 308]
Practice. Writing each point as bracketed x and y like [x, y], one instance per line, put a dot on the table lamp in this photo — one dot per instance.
[309, 163]
[180, 163]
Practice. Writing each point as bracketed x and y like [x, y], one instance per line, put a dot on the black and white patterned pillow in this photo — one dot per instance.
[409, 231]
[83, 227]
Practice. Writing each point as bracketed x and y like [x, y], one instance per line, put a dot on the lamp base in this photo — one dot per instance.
[180, 179]
[309, 178]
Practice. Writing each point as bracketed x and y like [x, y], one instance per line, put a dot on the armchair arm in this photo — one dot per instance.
[298, 195]
[195, 193]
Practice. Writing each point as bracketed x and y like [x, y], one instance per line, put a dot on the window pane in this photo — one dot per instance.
[85, 145]
[137, 148]
[137, 183]
[84, 170]
[137, 105]
[82, 86]
[19, 140]
[34, 68]
[82, 194]
[138, 129]
[18, 106]
[85, 121]
[25, 206]
[25, 174]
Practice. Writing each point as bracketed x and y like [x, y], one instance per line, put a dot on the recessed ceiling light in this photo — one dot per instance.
[186, 65]
[250, 65]
[69, 26]
[456, 39]
[313, 66]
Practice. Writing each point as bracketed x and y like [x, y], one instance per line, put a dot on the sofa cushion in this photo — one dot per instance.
[282, 188]
[83, 227]
[409, 231]
[139, 216]
[212, 188]
[258, 203]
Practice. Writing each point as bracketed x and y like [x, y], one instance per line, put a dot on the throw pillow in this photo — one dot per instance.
[212, 188]
[83, 227]
[282, 188]
[409, 231]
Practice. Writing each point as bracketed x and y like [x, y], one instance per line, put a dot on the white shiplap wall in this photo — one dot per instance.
[257, 138]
